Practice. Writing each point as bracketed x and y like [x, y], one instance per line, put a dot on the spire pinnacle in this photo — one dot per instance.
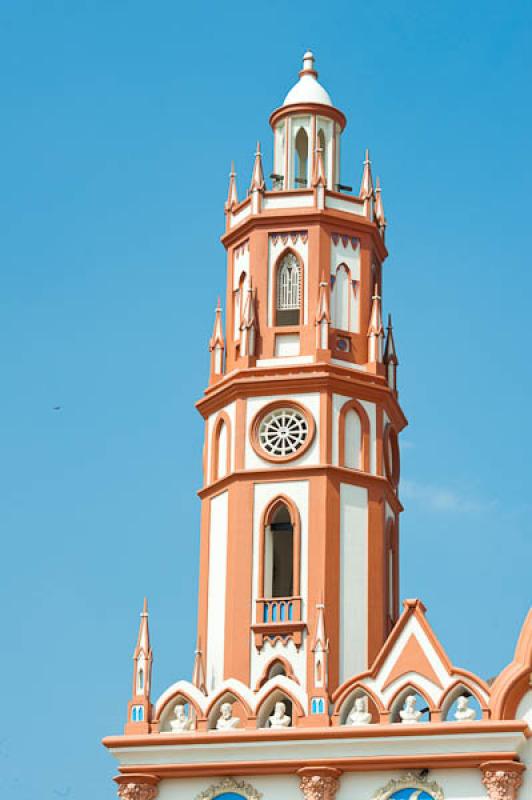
[143, 639]
[257, 176]
[198, 673]
[138, 713]
[248, 325]
[319, 179]
[375, 330]
[379, 208]
[390, 357]
[366, 185]
[323, 316]
[390, 354]
[232, 196]
[217, 345]
[217, 338]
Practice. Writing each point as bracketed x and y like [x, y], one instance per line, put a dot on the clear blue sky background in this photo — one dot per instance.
[119, 121]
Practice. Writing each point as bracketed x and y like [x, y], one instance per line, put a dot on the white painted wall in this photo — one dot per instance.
[371, 411]
[353, 580]
[241, 265]
[263, 494]
[287, 344]
[351, 258]
[337, 404]
[218, 525]
[352, 440]
[461, 784]
[311, 401]
[230, 410]
[344, 204]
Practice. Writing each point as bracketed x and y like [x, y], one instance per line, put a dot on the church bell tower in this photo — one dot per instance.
[300, 508]
[308, 682]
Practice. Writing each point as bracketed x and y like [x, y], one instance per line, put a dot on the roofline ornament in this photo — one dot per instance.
[410, 780]
[230, 785]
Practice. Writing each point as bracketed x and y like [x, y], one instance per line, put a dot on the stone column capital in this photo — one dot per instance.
[137, 787]
[319, 783]
[502, 779]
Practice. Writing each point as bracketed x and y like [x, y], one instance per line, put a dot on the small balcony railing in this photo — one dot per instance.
[278, 617]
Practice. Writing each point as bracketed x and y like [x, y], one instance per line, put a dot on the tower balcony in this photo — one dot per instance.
[278, 618]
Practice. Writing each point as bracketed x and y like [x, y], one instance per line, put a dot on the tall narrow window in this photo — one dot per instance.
[341, 297]
[301, 159]
[323, 147]
[239, 304]
[141, 680]
[288, 291]
[279, 555]
[352, 440]
[220, 453]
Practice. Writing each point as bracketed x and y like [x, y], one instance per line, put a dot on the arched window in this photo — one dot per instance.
[288, 291]
[301, 159]
[322, 144]
[220, 457]
[222, 451]
[141, 680]
[280, 550]
[391, 545]
[279, 567]
[352, 440]
[341, 298]
[354, 436]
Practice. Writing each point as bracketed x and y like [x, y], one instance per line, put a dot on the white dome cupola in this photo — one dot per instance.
[308, 89]
[306, 122]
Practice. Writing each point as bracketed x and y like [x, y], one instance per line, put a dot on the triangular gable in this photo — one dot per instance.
[404, 652]
[412, 659]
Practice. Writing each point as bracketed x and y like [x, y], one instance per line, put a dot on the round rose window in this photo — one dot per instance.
[283, 431]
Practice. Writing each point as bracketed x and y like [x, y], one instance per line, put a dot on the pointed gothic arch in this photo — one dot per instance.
[241, 708]
[282, 664]
[345, 696]
[396, 702]
[344, 430]
[267, 704]
[288, 288]
[221, 442]
[341, 298]
[453, 692]
[276, 507]
[301, 159]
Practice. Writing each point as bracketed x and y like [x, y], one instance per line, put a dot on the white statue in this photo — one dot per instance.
[226, 719]
[409, 713]
[279, 718]
[182, 722]
[359, 714]
[463, 713]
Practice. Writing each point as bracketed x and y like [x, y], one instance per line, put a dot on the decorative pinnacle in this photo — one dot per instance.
[257, 177]
[308, 64]
[232, 197]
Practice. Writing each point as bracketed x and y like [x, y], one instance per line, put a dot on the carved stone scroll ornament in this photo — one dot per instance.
[502, 779]
[411, 780]
[137, 791]
[320, 783]
[137, 787]
[230, 785]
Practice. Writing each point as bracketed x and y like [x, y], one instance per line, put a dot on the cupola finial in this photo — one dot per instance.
[308, 64]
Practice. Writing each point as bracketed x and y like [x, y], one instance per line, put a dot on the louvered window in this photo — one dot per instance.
[288, 291]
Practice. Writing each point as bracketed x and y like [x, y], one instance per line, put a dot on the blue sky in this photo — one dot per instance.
[119, 124]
